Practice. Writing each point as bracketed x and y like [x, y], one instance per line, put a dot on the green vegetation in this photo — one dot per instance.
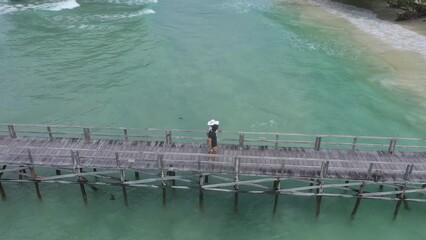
[412, 8]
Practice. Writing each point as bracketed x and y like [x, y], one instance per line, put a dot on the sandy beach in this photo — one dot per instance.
[399, 44]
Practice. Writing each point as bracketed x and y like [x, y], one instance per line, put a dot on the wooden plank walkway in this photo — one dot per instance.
[295, 162]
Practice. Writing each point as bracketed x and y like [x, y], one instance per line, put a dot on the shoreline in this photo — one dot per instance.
[383, 12]
[396, 49]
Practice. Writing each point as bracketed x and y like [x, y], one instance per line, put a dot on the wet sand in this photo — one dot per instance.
[384, 12]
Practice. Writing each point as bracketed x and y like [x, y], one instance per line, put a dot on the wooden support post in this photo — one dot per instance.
[122, 178]
[163, 186]
[311, 184]
[323, 174]
[401, 196]
[83, 193]
[33, 175]
[12, 132]
[407, 177]
[201, 193]
[171, 174]
[236, 201]
[241, 142]
[96, 178]
[20, 174]
[276, 187]
[58, 172]
[77, 169]
[2, 192]
[392, 145]
[86, 132]
[49, 131]
[406, 207]
[137, 175]
[318, 204]
[160, 164]
[317, 143]
[346, 187]
[398, 205]
[358, 200]
[236, 186]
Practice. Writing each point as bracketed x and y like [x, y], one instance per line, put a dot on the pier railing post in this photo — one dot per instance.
[354, 144]
[126, 137]
[392, 145]
[168, 137]
[277, 137]
[49, 131]
[317, 143]
[12, 132]
[241, 140]
[86, 134]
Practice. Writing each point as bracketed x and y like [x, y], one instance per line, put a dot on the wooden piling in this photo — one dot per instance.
[358, 200]
[163, 186]
[58, 172]
[318, 206]
[311, 184]
[236, 186]
[172, 173]
[95, 177]
[2, 192]
[137, 175]
[122, 178]
[276, 187]
[33, 174]
[20, 174]
[83, 193]
[77, 169]
[236, 201]
[201, 193]
[346, 187]
[398, 205]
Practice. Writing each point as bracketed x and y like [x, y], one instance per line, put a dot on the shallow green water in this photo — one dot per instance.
[255, 65]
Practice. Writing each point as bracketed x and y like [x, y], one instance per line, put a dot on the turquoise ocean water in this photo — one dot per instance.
[256, 65]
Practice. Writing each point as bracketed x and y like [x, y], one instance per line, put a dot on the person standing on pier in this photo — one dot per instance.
[212, 138]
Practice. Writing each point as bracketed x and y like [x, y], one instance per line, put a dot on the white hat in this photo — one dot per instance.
[212, 122]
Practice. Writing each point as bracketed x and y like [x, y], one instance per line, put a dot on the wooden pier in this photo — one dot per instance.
[248, 162]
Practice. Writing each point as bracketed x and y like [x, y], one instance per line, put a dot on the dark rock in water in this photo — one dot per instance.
[180, 117]
[111, 197]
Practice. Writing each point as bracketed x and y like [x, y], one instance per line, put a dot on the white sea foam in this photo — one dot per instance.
[245, 6]
[7, 7]
[132, 2]
[368, 22]
[124, 15]
[69, 4]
